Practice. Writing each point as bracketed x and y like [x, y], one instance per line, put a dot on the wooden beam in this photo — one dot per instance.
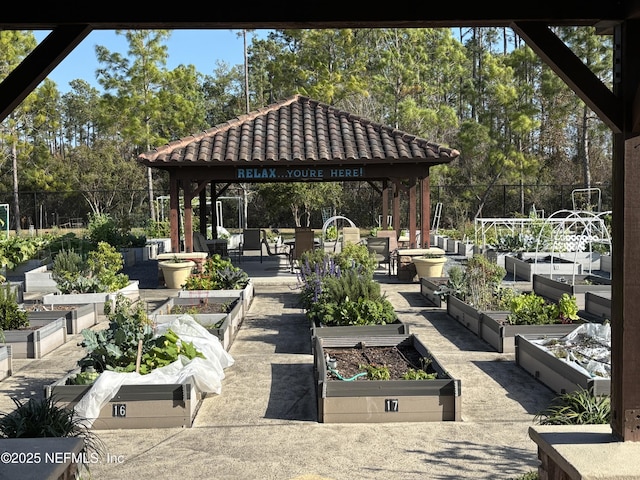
[385, 204]
[425, 214]
[396, 205]
[23, 79]
[413, 207]
[174, 212]
[625, 285]
[573, 72]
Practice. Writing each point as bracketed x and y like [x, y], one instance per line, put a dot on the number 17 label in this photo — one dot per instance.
[390, 404]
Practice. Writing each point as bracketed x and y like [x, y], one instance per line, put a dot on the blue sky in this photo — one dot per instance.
[202, 48]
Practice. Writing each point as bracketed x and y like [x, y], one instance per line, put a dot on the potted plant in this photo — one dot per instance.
[176, 271]
[431, 263]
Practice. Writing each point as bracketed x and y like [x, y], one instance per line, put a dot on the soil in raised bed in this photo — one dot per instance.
[397, 359]
[203, 308]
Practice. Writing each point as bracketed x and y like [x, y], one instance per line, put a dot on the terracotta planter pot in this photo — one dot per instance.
[176, 273]
[430, 267]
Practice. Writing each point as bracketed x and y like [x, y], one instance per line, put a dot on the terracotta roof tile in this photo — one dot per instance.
[297, 129]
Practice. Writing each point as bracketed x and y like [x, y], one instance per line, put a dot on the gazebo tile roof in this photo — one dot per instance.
[297, 129]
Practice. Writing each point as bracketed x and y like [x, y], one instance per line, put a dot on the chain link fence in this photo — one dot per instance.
[461, 204]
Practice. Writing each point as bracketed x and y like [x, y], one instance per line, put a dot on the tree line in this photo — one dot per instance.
[481, 91]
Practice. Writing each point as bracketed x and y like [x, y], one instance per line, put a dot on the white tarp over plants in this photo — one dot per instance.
[205, 373]
[587, 348]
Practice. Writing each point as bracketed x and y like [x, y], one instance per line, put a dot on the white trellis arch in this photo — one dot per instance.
[575, 231]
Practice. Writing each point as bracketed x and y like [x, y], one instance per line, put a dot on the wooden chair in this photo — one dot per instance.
[393, 248]
[304, 242]
[251, 241]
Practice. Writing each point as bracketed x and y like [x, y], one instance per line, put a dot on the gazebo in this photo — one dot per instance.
[299, 140]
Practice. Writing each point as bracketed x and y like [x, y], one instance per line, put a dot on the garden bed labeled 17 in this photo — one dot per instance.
[351, 384]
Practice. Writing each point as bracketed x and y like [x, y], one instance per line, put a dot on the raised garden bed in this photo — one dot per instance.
[36, 342]
[349, 331]
[467, 315]
[465, 249]
[429, 287]
[5, 362]
[451, 245]
[221, 316]
[39, 279]
[136, 406]
[495, 330]
[246, 295]
[97, 300]
[524, 268]
[379, 401]
[552, 287]
[78, 317]
[598, 304]
[566, 363]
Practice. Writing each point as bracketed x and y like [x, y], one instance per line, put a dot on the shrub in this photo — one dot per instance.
[217, 274]
[356, 257]
[40, 418]
[580, 407]
[99, 273]
[102, 228]
[12, 317]
[350, 299]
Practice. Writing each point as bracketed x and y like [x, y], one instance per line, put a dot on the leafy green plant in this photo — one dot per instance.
[355, 256]
[418, 374]
[533, 309]
[164, 350]
[579, 407]
[480, 285]
[99, 273]
[41, 417]
[455, 284]
[568, 308]
[351, 299]
[116, 347]
[158, 229]
[375, 372]
[331, 233]
[12, 317]
[217, 274]
[103, 228]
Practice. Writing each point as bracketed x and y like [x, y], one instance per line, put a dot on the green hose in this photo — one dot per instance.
[340, 377]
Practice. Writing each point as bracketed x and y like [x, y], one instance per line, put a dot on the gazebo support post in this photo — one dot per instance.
[412, 213]
[425, 214]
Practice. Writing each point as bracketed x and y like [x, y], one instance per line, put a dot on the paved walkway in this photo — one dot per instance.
[264, 425]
